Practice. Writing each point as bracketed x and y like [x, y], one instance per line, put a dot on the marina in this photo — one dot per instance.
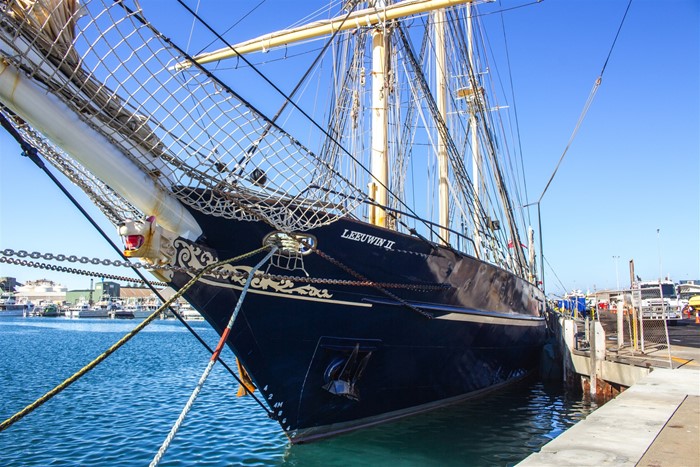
[120, 412]
[650, 423]
[127, 401]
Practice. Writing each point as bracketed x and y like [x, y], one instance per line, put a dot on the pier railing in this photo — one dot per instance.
[613, 349]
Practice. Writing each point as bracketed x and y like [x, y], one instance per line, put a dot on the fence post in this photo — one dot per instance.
[620, 324]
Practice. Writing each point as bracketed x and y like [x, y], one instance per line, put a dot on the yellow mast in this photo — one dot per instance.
[379, 167]
[473, 126]
[360, 18]
[441, 100]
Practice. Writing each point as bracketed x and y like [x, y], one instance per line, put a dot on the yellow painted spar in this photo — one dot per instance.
[360, 18]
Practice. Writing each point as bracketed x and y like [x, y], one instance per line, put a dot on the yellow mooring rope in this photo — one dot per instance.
[40, 401]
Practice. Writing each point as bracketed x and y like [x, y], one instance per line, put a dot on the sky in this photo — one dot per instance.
[627, 188]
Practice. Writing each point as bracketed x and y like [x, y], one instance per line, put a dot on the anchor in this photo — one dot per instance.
[343, 374]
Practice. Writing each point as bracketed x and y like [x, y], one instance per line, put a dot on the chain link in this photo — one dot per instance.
[221, 274]
[82, 272]
[379, 286]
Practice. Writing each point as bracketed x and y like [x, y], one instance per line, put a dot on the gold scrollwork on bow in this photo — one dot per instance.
[195, 257]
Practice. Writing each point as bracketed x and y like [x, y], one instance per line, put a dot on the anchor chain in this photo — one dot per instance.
[53, 392]
[82, 272]
[219, 273]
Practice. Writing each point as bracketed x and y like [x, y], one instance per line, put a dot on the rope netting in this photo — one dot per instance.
[190, 133]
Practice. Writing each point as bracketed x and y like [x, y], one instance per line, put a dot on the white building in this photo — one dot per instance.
[42, 290]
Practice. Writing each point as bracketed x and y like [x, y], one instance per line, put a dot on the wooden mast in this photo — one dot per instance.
[379, 165]
[473, 127]
[441, 101]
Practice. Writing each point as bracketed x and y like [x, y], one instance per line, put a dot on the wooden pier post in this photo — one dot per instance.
[597, 356]
[569, 331]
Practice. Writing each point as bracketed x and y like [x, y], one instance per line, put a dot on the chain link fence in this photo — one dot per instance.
[635, 322]
[637, 327]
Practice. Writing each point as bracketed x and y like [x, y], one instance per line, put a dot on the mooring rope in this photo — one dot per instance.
[212, 361]
[46, 397]
[32, 153]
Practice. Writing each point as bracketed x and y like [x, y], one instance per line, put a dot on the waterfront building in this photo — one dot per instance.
[41, 291]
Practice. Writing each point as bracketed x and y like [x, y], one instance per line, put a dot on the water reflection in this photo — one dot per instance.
[119, 413]
[498, 429]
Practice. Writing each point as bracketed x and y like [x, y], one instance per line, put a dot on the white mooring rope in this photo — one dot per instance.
[210, 365]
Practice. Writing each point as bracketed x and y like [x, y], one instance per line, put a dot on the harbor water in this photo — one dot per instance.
[120, 413]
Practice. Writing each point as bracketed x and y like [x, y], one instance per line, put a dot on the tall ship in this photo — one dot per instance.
[363, 150]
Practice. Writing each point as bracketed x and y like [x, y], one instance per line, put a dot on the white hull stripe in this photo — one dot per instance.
[453, 313]
[515, 321]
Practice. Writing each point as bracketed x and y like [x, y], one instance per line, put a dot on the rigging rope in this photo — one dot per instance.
[212, 360]
[264, 77]
[46, 397]
[33, 154]
[588, 103]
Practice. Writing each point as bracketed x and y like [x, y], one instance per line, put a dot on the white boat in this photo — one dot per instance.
[9, 307]
[189, 313]
[94, 312]
[82, 309]
[140, 310]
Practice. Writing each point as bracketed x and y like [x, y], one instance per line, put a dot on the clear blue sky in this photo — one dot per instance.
[633, 168]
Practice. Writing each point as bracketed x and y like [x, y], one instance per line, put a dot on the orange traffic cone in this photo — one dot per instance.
[697, 316]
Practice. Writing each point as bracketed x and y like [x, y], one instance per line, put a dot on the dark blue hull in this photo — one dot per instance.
[334, 356]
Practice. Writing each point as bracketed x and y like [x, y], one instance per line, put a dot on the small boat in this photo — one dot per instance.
[123, 313]
[49, 311]
[94, 312]
[140, 310]
[9, 307]
[188, 312]
[82, 309]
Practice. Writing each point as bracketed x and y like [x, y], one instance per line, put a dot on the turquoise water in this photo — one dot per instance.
[120, 413]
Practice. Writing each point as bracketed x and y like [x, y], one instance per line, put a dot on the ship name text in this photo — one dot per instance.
[367, 238]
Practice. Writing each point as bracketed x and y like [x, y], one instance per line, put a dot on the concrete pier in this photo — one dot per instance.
[654, 423]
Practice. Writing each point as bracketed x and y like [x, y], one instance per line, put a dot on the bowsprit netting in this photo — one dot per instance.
[193, 136]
